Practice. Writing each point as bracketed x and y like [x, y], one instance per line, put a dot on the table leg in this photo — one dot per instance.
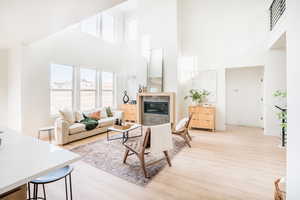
[49, 135]
[107, 136]
[39, 134]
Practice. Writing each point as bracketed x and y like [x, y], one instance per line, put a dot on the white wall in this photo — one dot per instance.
[223, 34]
[293, 99]
[70, 47]
[158, 19]
[244, 91]
[15, 69]
[3, 87]
[275, 79]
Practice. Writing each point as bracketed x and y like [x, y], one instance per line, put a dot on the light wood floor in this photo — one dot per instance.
[240, 163]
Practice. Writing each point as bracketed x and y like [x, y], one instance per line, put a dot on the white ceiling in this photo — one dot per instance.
[25, 21]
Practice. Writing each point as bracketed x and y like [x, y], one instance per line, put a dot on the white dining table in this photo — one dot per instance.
[24, 158]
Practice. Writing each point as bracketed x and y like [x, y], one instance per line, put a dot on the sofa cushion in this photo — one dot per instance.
[109, 121]
[78, 116]
[181, 124]
[103, 113]
[95, 115]
[77, 128]
[67, 115]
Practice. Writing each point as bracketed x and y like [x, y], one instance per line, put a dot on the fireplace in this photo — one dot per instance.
[161, 108]
[156, 110]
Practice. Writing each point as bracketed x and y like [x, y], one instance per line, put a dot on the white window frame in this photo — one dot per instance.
[63, 90]
[113, 89]
[76, 90]
[87, 90]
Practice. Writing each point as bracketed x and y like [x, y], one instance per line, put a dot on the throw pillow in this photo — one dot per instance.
[78, 116]
[181, 124]
[103, 112]
[109, 112]
[67, 115]
[95, 115]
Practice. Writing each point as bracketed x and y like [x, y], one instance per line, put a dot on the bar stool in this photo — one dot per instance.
[49, 178]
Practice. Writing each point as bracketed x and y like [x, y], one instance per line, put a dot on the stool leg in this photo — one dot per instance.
[44, 191]
[66, 186]
[71, 192]
[35, 191]
[29, 193]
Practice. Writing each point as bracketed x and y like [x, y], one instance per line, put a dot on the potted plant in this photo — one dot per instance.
[197, 96]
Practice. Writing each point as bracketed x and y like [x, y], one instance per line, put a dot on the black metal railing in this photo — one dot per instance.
[276, 9]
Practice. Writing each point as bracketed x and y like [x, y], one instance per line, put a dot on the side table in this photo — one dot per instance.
[48, 129]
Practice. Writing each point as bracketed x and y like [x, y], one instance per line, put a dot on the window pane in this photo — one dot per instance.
[87, 100]
[107, 81]
[91, 25]
[61, 76]
[60, 100]
[87, 78]
[107, 98]
[108, 27]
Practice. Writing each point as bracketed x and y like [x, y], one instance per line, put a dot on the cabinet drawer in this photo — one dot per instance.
[209, 124]
[202, 116]
[129, 117]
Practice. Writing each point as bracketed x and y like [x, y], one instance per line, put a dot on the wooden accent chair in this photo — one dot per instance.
[280, 193]
[184, 132]
[138, 148]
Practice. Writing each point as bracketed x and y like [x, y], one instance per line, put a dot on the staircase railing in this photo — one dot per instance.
[276, 9]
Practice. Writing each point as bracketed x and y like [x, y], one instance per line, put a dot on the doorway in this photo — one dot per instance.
[244, 96]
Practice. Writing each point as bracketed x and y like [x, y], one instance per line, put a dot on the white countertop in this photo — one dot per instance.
[24, 158]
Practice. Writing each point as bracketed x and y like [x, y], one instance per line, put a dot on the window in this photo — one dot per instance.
[80, 88]
[91, 25]
[88, 89]
[61, 84]
[108, 27]
[107, 91]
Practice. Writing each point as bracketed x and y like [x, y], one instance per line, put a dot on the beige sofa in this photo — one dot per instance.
[66, 132]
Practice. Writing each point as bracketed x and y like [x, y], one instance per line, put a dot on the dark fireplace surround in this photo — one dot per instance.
[156, 110]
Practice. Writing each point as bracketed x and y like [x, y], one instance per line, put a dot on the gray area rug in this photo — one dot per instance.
[108, 156]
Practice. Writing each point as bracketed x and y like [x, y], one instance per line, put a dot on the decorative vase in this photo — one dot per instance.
[125, 97]
[140, 89]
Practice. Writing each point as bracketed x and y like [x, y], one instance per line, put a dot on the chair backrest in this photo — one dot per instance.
[188, 122]
[146, 141]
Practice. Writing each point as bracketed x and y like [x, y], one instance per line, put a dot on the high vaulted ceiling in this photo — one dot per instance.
[26, 21]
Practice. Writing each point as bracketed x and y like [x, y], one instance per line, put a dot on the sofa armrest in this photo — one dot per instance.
[61, 131]
[118, 114]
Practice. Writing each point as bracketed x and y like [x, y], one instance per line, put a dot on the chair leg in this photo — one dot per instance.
[188, 134]
[143, 165]
[187, 140]
[125, 156]
[168, 158]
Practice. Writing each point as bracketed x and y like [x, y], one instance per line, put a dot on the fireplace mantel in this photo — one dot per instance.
[140, 104]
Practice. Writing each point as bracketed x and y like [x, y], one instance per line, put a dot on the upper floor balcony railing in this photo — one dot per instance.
[277, 9]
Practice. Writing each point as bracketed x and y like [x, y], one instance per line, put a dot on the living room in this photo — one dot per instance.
[99, 62]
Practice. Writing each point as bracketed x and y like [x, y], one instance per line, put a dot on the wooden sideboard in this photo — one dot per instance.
[203, 117]
[130, 112]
